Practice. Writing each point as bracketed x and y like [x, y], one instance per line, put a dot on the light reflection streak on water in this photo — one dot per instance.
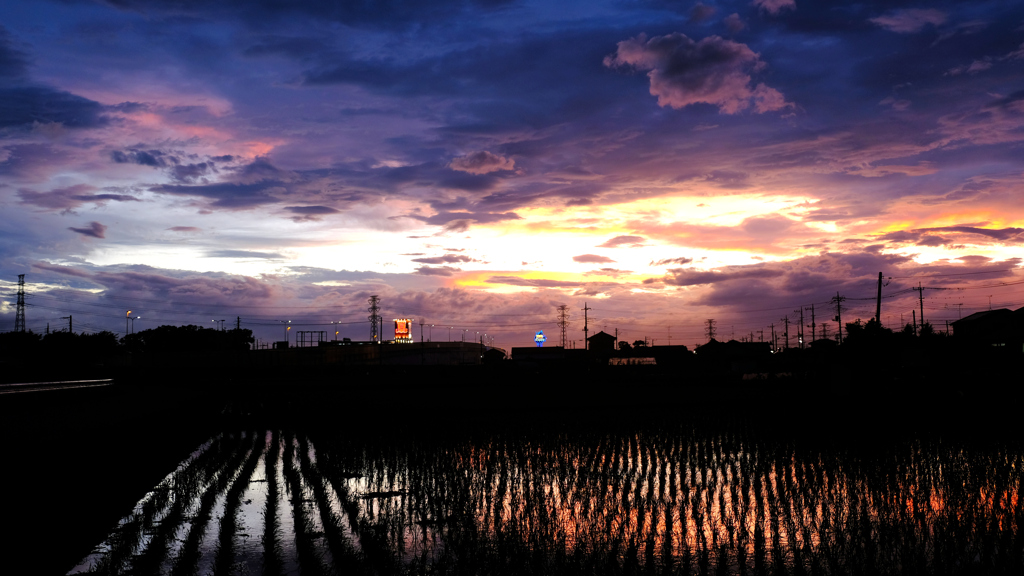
[668, 500]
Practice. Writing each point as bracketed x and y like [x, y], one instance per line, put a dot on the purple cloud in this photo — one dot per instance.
[774, 6]
[437, 271]
[910, 20]
[95, 230]
[712, 71]
[482, 162]
[592, 259]
[618, 241]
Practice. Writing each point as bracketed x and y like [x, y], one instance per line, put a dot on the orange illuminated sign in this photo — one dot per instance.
[403, 330]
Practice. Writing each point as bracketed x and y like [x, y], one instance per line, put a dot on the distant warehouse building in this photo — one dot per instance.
[1002, 328]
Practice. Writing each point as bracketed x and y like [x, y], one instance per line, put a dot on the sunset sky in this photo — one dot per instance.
[478, 163]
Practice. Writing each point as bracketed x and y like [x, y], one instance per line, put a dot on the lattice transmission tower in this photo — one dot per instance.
[709, 329]
[19, 319]
[374, 317]
[563, 321]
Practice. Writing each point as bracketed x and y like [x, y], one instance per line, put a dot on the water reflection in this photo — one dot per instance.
[656, 501]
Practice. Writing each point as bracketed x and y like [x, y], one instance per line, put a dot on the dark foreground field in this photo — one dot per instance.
[78, 461]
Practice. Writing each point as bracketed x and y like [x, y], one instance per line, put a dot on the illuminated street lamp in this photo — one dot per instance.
[286, 328]
[450, 333]
[133, 322]
[430, 333]
[126, 317]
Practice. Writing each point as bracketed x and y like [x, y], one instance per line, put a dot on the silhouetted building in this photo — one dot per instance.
[738, 357]
[1000, 328]
[602, 342]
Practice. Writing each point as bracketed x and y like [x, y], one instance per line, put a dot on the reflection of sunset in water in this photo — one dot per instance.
[662, 500]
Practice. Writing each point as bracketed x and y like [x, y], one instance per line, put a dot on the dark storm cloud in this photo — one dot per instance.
[191, 172]
[712, 70]
[70, 197]
[154, 158]
[227, 195]
[95, 230]
[13, 61]
[24, 103]
[30, 105]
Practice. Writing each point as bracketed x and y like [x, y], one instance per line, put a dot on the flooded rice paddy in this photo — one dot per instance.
[662, 500]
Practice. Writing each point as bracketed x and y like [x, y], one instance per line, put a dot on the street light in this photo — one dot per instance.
[450, 333]
[133, 323]
[126, 316]
[286, 328]
[430, 333]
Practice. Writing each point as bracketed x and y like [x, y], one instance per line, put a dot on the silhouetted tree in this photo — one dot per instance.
[184, 339]
[623, 345]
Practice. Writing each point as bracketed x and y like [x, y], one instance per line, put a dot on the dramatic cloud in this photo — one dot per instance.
[482, 162]
[436, 271]
[244, 254]
[310, 213]
[712, 71]
[734, 23]
[532, 282]
[95, 230]
[446, 259]
[677, 261]
[70, 197]
[688, 277]
[775, 6]
[910, 20]
[592, 259]
[619, 241]
[701, 12]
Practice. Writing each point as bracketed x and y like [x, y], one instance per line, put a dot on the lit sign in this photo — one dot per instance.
[540, 339]
[403, 330]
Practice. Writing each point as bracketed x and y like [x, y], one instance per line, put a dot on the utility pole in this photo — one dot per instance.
[238, 323]
[19, 318]
[786, 333]
[814, 327]
[760, 335]
[586, 340]
[838, 300]
[775, 342]
[800, 330]
[69, 319]
[709, 329]
[824, 331]
[563, 321]
[374, 316]
[914, 316]
[920, 298]
[878, 301]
